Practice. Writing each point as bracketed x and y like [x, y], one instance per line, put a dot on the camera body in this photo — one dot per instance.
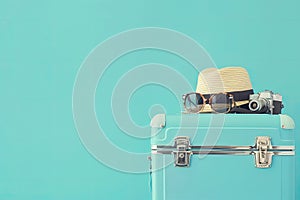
[266, 102]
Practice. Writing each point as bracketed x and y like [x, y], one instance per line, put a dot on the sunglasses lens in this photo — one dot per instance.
[221, 103]
[193, 102]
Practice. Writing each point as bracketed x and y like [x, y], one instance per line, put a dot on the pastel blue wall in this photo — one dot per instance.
[42, 45]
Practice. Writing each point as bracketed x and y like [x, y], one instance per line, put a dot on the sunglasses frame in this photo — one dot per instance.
[232, 105]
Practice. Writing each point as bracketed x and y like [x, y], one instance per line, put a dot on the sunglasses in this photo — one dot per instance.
[219, 103]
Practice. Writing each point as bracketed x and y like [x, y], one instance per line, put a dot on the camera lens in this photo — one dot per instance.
[258, 105]
[254, 105]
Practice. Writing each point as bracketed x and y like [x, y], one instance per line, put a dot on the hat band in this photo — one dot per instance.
[238, 95]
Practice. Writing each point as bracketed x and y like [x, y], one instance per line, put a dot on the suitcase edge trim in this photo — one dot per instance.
[159, 121]
[286, 122]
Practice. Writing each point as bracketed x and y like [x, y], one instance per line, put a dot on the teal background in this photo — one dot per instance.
[42, 45]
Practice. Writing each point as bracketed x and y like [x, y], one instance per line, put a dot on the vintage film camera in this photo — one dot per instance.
[266, 102]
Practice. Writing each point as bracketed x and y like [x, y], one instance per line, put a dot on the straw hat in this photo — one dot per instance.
[233, 80]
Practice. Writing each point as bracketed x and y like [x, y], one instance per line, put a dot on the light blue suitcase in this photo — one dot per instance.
[217, 156]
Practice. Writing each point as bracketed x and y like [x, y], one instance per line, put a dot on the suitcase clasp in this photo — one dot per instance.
[263, 157]
[183, 154]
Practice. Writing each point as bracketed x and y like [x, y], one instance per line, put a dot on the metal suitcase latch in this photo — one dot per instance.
[183, 154]
[263, 157]
[262, 151]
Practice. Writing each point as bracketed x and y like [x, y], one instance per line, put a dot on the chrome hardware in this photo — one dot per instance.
[263, 151]
[263, 156]
[182, 155]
